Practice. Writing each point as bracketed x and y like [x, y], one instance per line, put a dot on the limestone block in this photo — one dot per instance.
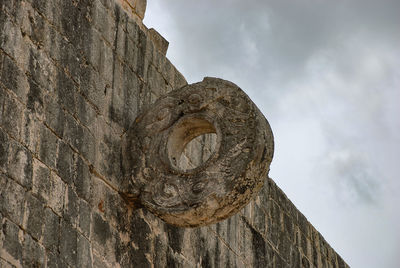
[33, 253]
[160, 42]
[12, 197]
[140, 8]
[12, 248]
[68, 244]
[51, 230]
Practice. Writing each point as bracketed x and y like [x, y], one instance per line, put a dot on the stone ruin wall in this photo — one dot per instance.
[73, 77]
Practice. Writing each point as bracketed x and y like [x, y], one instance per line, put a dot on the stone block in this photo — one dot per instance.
[160, 43]
[69, 244]
[108, 4]
[101, 56]
[167, 70]
[140, 8]
[48, 146]
[259, 218]
[13, 42]
[288, 227]
[12, 115]
[304, 245]
[262, 198]
[65, 162]
[85, 218]
[115, 208]
[76, 12]
[123, 106]
[99, 262]
[175, 236]
[12, 199]
[54, 260]
[303, 224]
[66, 91]
[51, 230]
[283, 201]
[130, 54]
[315, 253]
[79, 138]
[54, 116]
[144, 96]
[117, 97]
[285, 247]
[132, 29]
[5, 264]
[103, 238]
[9, 6]
[324, 246]
[97, 91]
[141, 240]
[130, 88]
[103, 21]
[4, 149]
[179, 80]
[42, 69]
[50, 10]
[12, 77]
[144, 54]
[121, 37]
[30, 132]
[295, 258]
[101, 230]
[33, 254]
[88, 145]
[84, 256]
[12, 245]
[19, 166]
[274, 226]
[82, 180]
[341, 262]
[85, 112]
[32, 24]
[156, 81]
[305, 263]
[71, 207]
[48, 186]
[34, 215]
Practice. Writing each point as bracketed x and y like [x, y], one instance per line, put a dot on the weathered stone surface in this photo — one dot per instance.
[222, 185]
[51, 230]
[12, 246]
[134, 7]
[74, 75]
[68, 244]
[12, 199]
[33, 253]
[159, 42]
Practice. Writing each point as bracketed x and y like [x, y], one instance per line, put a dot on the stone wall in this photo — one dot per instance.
[73, 77]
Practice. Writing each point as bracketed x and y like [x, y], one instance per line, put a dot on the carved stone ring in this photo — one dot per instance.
[224, 183]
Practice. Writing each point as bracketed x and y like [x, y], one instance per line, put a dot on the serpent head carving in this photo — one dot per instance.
[220, 186]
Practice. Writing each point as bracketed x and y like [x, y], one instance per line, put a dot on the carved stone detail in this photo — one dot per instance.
[223, 184]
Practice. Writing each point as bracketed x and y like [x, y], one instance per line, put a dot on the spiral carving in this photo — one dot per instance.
[224, 183]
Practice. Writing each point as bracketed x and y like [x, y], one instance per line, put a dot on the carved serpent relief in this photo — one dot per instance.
[220, 186]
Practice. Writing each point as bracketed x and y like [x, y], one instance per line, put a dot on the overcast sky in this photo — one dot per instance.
[326, 75]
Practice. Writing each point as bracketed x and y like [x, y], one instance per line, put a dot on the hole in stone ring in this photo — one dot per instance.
[191, 143]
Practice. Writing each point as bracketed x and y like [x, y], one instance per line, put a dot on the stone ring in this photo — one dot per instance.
[218, 187]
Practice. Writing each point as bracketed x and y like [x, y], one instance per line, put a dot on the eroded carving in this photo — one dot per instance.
[223, 184]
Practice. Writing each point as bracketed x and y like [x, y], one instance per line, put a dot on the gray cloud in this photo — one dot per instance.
[327, 76]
